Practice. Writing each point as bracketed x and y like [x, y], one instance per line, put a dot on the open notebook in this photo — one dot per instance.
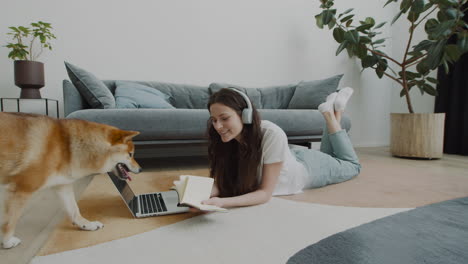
[193, 190]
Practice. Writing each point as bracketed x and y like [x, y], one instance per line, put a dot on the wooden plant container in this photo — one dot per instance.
[417, 135]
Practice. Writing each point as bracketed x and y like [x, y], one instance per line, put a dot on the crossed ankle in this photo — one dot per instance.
[326, 107]
[342, 98]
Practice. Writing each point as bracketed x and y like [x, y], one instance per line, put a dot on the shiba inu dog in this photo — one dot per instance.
[37, 152]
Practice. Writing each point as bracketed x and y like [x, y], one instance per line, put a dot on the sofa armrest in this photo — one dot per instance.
[72, 99]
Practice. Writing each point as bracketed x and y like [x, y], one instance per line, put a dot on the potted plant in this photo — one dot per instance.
[412, 135]
[29, 73]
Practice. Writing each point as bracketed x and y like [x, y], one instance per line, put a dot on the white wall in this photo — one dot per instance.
[250, 43]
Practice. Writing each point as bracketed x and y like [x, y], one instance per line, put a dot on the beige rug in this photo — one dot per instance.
[267, 233]
[384, 182]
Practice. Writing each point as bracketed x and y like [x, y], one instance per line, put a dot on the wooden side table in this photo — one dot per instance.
[47, 102]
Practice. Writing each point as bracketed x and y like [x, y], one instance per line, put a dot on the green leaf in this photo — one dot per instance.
[417, 6]
[446, 67]
[348, 23]
[379, 73]
[23, 29]
[361, 51]
[370, 21]
[346, 12]
[422, 67]
[412, 16]
[341, 47]
[381, 68]
[437, 30]
[462, 42]
[409, 75]
[429, 89]
[411, 84]
[363, 28]
[352, 36]
[431, 25]
[435, 53]
[412, 75]
[369, 61]
[379, 41]
[380, 25]
[402, 92]
[427, 6]
[346, 18]
[442, 16]
[327, 16]
[443, 29]
[338, 34]
[396, 17]
[389, 1]
[448, 2]
[319, 20]
[350, 49]
[381, 52]
[423, 45]
[414, 54]
[451, 13]
[405, 5]
[421, 87]
[332, 23]
[365, 39]
[432, 80]
[452, 52]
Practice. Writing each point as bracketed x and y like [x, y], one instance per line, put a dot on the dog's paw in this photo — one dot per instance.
[11, 243]
[90, 226]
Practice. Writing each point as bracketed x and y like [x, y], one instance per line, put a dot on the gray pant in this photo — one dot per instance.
[335, 162]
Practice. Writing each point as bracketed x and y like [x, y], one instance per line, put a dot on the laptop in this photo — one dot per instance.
[148, 204]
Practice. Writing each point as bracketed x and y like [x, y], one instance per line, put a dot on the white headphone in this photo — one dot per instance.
[246, 112]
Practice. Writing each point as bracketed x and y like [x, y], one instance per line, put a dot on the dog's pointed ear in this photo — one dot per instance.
[122, 136]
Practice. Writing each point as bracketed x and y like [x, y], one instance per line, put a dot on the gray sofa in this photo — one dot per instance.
[185, 125]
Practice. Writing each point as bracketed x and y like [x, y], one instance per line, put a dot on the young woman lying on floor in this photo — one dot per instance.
[250, 159]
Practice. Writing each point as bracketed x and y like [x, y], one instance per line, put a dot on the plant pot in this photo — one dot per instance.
[29, 76]
[417, 135]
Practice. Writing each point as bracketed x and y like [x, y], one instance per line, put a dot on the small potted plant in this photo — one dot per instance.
[29, 73]
[413, 135]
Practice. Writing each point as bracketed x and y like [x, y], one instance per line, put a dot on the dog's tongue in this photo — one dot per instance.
[127, 174]
[124, 171]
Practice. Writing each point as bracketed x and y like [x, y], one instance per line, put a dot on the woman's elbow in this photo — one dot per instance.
[266, 197]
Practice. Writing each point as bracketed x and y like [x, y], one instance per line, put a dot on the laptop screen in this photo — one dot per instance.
[123, 188]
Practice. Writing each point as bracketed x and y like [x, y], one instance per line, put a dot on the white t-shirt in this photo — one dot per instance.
[275, 149]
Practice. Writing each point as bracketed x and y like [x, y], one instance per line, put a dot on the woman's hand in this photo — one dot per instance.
[216, 201]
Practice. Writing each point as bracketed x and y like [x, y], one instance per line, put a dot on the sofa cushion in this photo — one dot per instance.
[183, 96]
[310, 94]
[134, 95]
[253, 94]
[273, 97]
[95, 92]
[277, 97]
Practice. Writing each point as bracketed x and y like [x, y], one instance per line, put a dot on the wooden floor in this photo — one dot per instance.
[384, 181]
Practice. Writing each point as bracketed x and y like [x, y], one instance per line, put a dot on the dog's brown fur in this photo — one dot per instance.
[38, 151]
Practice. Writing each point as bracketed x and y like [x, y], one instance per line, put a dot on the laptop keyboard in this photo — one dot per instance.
[152, 203]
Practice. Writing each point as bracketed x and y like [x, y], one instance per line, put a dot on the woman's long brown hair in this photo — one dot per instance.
[234, 165]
